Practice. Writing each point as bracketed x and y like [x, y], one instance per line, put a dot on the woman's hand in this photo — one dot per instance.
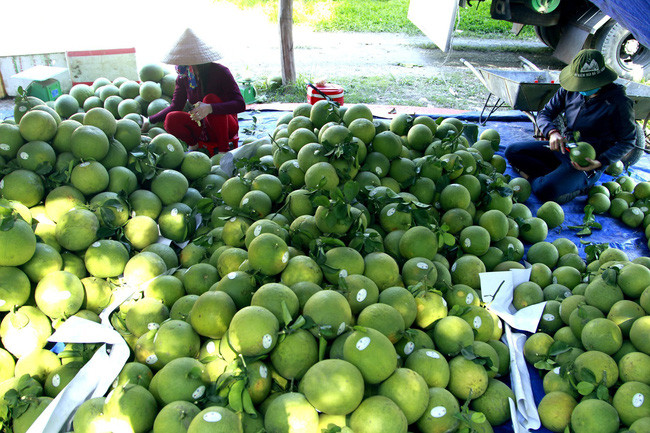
[200, 111]
[593, 165]
[556, 142]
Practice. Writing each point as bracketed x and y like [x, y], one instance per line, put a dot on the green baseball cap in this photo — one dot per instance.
[587, 71]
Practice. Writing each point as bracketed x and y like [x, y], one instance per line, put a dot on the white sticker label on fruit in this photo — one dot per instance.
[361, 295]
[516, 188]
[409, 347]
[24, 155]
[444, 302]
[556, 370]
[264, 371]
[96, 244]
[285, 257]
[468, 243]
[232, 275]
[391, 211]
[228, 208]
[469, 169]
[84, 164]
[257, 230]
[4, 146]
[244, 201]
[548, 317]
[174, 212]
[469, 298]
[453, 267]
[438, 412]
[170, 147]
[2, 183]
[554, 280]
[343, 273]
[151, 359]
[267, 341]
[379, 171]
[363, 343]
[198, 393]
[638, 399]
[56, 380]
[210, 347]
[341, 328]
[153, 325]
[212, 417]
[22, 108]
[233, 219]
[295, 164]
[422, 266]
[567, 294]
[477, 322]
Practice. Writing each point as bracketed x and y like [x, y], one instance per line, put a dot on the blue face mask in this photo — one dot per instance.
[589, 92]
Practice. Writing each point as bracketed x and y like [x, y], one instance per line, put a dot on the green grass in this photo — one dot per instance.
[379, 16]
[458, 89]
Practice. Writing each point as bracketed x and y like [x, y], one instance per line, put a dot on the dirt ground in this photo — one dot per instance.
[251, 48]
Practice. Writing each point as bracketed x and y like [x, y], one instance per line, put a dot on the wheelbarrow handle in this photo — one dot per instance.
[476, 72]
[528, 63]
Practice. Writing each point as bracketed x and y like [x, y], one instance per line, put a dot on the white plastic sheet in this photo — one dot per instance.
[497, 293]
[89, 382]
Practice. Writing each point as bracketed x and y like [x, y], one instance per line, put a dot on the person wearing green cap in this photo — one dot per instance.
[590, 104]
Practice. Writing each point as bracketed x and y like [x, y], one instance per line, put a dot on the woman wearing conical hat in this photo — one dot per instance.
[591, 104]
[211, 90]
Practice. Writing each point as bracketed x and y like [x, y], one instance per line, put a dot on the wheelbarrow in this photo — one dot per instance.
[527, 91]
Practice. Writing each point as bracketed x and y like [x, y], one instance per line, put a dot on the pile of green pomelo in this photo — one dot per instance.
[330, 285]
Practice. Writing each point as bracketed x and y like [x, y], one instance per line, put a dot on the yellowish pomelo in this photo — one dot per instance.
[378, 414]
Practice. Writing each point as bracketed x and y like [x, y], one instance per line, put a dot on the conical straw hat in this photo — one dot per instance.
[191, 50]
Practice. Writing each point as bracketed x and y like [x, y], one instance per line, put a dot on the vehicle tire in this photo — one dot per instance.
[550, 36]
[622, 52]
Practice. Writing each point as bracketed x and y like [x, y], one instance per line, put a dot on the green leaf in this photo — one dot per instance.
[322, 347]
[7, 223]
[286, 315]
[350, 191]
[478, 417]
[558, 347]
[585, 388]
[468, 353]
[602, 393]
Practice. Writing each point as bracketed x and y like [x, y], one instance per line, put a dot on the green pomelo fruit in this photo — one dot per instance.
[333, 386]
[131, 407]
[378, 414]
[372, 353]
[290, 413]
[594, 416]
[440, 415]
[59, 294]
[182, 379]
[409, 391]
[175, 339]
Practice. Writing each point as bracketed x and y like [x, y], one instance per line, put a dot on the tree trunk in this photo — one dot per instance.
[286, 41]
